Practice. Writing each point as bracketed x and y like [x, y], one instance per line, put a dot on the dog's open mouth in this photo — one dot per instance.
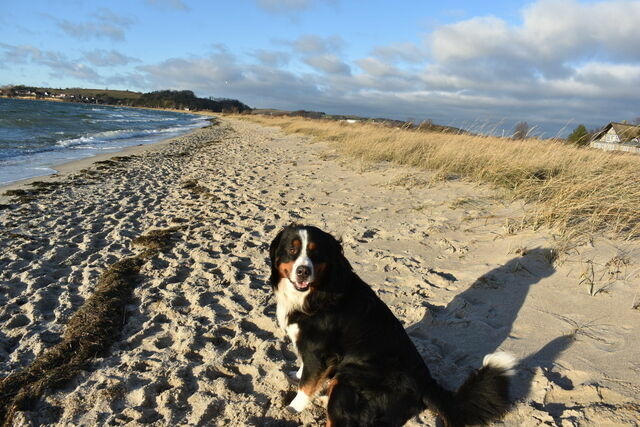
[301, 286]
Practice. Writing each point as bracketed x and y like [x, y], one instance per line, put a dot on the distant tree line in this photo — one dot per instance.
[181, 99]
[580, 136]
[175, 99]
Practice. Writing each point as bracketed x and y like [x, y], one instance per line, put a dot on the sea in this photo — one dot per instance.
[36, 136]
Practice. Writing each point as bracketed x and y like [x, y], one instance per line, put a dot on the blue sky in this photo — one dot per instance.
[479, 65]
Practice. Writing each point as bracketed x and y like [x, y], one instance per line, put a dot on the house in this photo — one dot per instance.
[617, 136]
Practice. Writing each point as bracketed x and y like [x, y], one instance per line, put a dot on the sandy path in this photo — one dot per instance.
[200, 345]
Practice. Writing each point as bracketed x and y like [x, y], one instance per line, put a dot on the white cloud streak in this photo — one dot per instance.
[108, 58]
[58, 64]
[103, 24]
[327, 63]
[169, 4]
[284, 6]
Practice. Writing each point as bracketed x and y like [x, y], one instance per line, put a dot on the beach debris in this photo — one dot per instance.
[89, 332]
[194, 186]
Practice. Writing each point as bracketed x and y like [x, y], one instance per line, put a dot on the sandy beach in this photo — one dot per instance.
[199, 343]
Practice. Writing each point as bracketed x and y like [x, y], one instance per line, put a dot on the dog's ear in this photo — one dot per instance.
[340, 264]
[274, 245]
[273, 279]
[339, 251]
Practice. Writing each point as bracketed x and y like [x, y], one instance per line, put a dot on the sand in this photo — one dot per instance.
[199, 343]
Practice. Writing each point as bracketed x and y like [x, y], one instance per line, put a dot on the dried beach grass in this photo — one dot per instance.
[575, 190]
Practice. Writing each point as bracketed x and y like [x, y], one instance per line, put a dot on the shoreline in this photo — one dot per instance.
[73, 165]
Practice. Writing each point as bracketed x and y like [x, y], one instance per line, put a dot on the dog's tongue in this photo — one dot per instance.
[301, 286]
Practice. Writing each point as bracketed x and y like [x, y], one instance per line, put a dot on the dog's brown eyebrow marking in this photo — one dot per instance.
[284, 269]
[296, 243]
[311, 246]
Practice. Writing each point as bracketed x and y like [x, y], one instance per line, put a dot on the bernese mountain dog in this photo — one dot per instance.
[352, 347]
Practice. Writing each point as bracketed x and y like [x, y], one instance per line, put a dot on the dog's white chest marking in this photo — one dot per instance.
[287, 301]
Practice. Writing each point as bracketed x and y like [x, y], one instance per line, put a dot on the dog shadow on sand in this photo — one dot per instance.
[454, 339]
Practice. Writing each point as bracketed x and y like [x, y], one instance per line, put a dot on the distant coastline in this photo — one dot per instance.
[183, 100]
[171, 110]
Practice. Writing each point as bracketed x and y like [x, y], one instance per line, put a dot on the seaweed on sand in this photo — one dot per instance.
[89, 333]
[193, 186]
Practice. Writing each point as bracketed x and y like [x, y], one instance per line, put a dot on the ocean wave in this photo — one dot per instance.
[123, 134]
[49, 134]
[105, 140]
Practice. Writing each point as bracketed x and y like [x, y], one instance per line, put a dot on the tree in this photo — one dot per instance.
[579, 136]
[521, 130]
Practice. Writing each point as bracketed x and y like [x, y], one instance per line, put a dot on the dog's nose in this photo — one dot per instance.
[303, 272]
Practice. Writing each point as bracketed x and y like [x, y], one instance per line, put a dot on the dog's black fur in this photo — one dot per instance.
[349, 339]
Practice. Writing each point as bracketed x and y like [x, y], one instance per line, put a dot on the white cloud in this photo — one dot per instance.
[108, 58]
[220, 74]
[59, 64]
[553, 33]
[288, 7]
[312, 44]
[377, 68]
[561, 29]
[401, 52]
[103, 24]
[271, 57]
[472, 39]
[284, 6]
[169, 4]
[328, 64]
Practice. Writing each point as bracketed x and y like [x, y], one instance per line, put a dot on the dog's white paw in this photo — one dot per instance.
[298, 404]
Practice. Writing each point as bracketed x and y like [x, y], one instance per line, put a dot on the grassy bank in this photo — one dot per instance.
[577, 191]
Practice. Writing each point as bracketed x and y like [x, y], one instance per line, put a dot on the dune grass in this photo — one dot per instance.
[575, 190]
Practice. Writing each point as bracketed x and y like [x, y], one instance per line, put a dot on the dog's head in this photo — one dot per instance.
[309, 259]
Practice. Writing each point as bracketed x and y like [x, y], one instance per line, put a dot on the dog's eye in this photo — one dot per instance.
[292, 251]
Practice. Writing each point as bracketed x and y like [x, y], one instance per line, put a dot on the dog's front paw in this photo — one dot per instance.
[298, 404]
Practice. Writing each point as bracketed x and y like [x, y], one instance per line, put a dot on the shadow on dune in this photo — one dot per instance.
[454, 339]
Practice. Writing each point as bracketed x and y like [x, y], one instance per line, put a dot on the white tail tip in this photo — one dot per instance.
[501, 360]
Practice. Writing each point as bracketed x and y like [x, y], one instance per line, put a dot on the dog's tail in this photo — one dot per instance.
[484, 396]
